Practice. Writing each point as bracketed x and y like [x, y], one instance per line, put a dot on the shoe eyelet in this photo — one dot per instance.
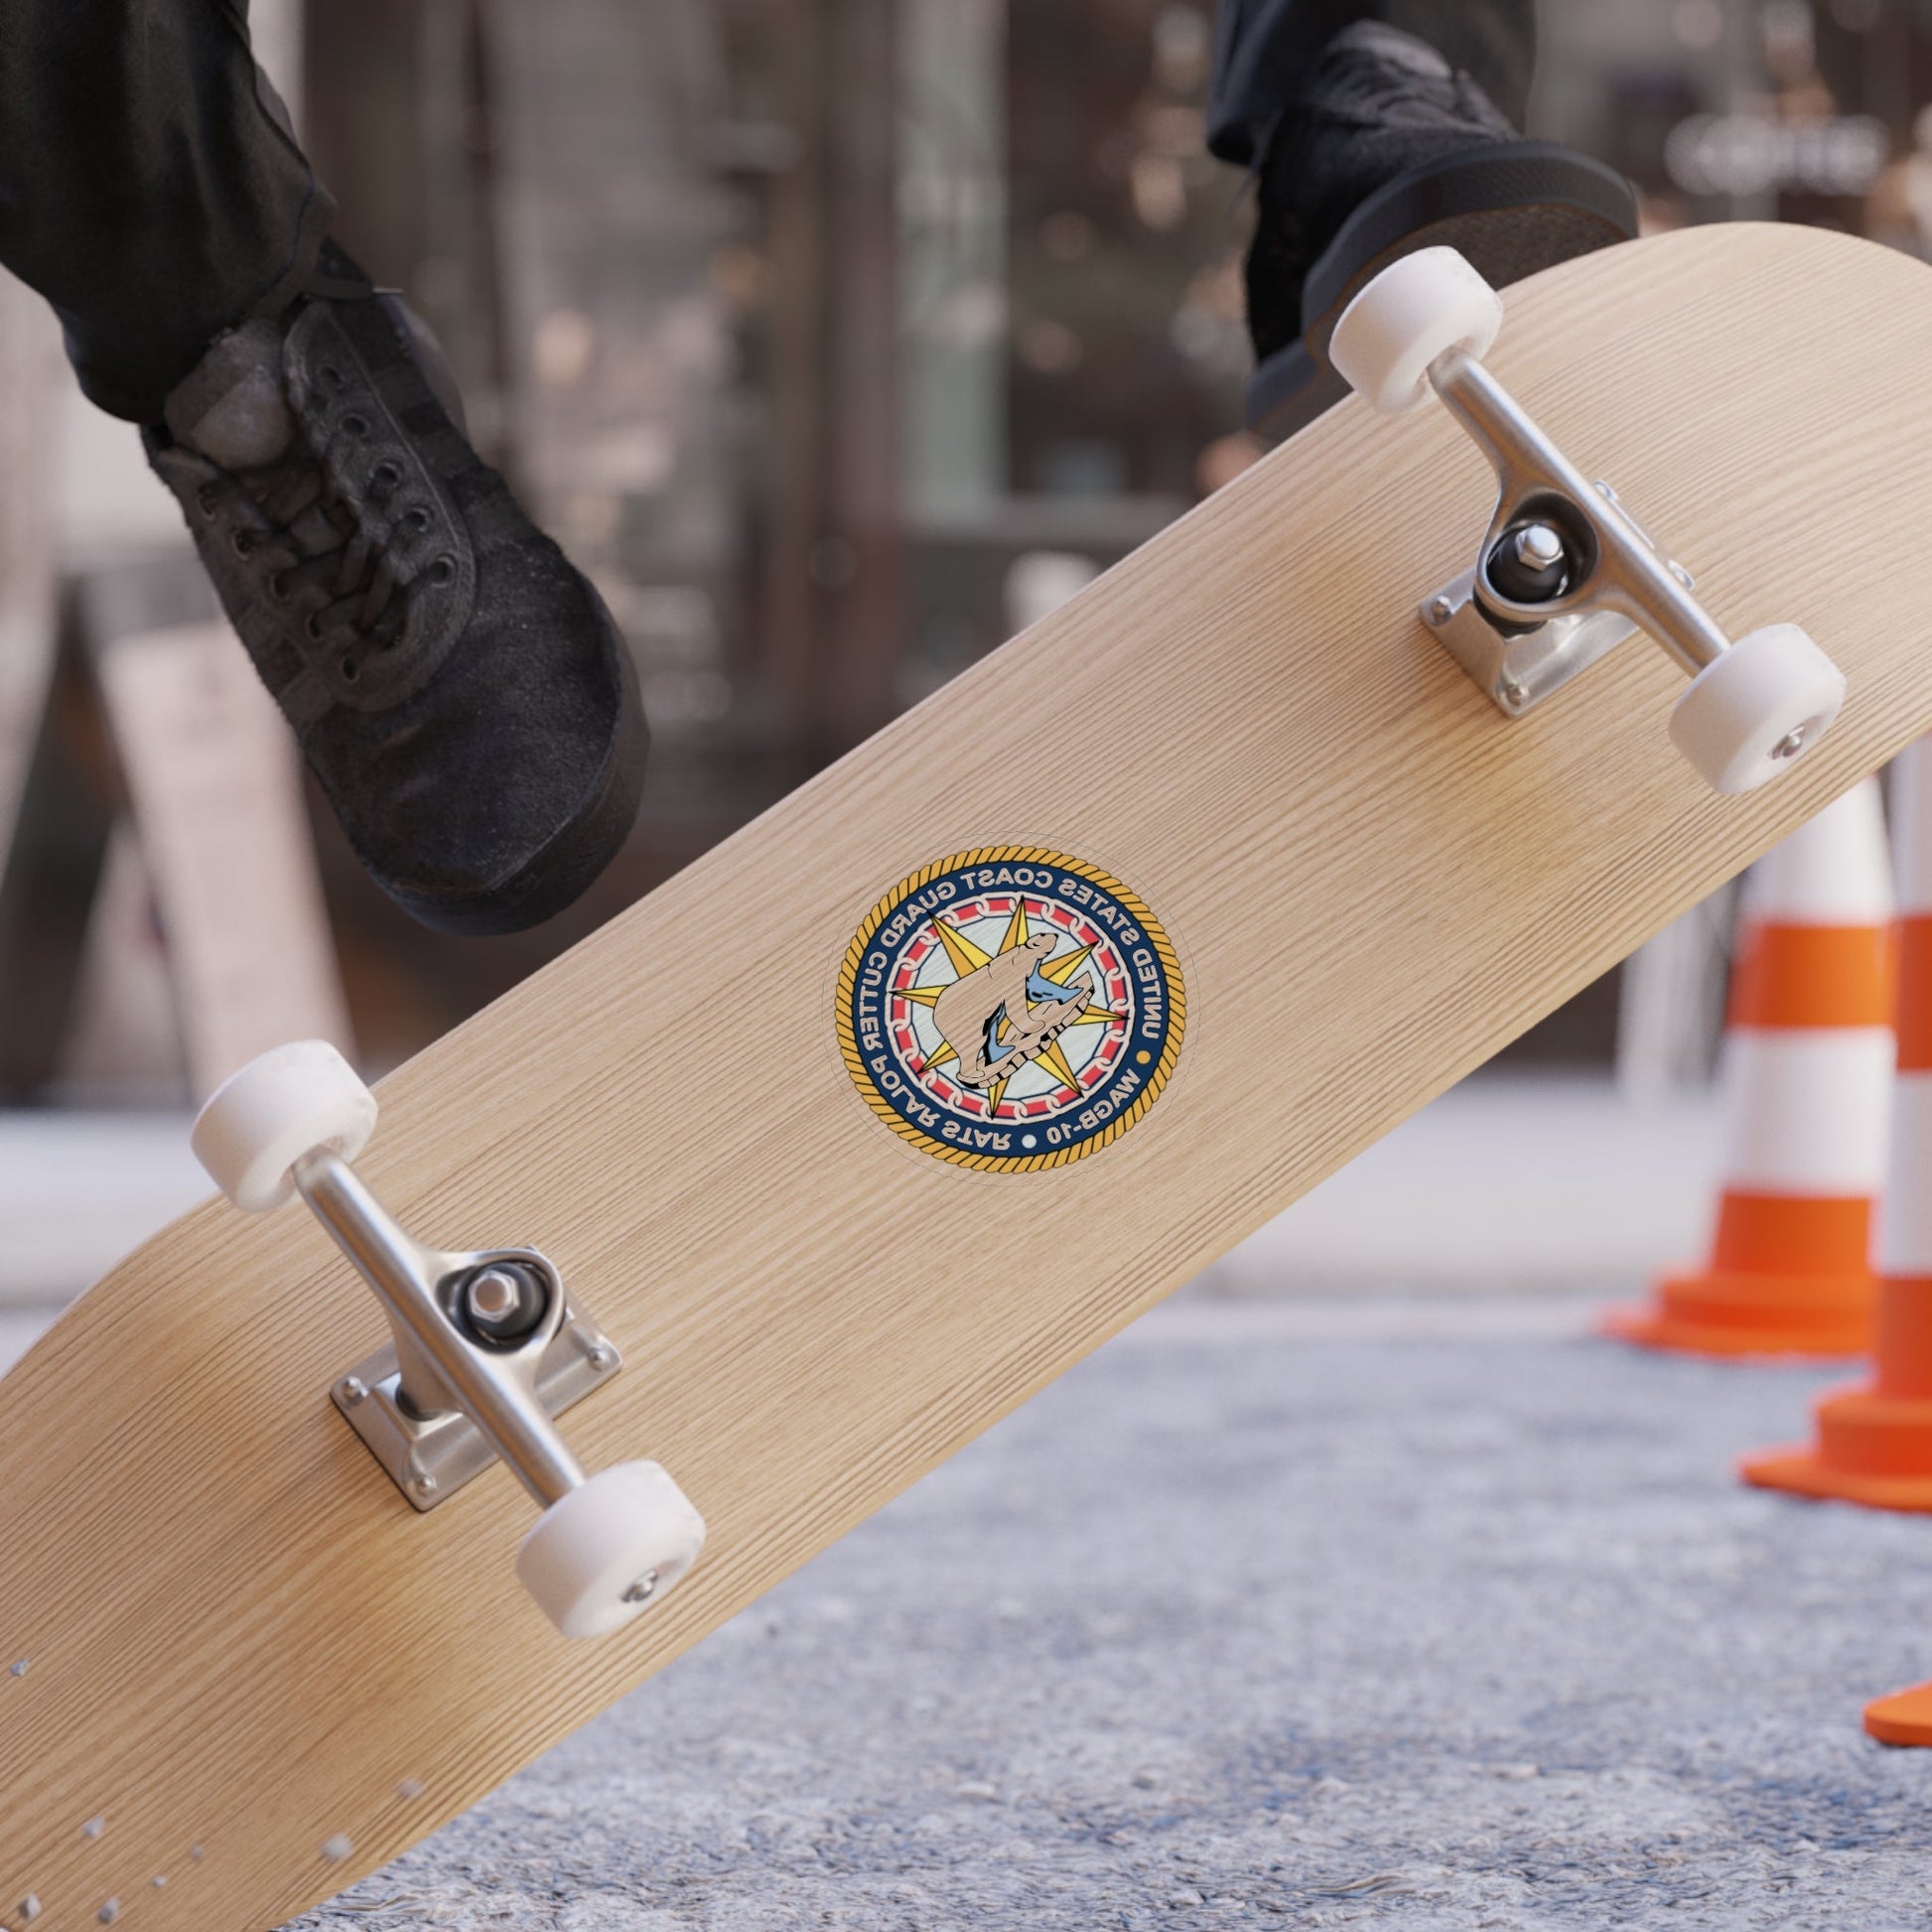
[385, 476]
[205, 497]
[311, 630]
[415, 519]
[278, 586]
[443, 571]
[240, 542]
[354, 425]
[330, 374]
[349, 669]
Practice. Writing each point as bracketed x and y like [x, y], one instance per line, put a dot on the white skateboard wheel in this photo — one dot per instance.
[283, 1104]
[1757, 709]
[1418, 308]
[609, 1550]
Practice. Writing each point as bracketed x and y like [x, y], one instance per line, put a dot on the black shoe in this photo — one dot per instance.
[458, 688]
[1387, 150]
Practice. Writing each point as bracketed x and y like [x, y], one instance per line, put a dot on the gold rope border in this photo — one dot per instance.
[959, 1157]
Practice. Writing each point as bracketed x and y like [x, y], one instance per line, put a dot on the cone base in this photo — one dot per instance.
[1800, 1472]
[1873, 1449]
[1727, 1313]
[1903, 1718]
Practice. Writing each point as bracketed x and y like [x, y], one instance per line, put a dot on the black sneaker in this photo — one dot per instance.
[1389, 149]
[457, 687]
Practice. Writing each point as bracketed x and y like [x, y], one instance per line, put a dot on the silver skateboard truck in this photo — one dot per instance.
[1564, 573]
[487, 1348]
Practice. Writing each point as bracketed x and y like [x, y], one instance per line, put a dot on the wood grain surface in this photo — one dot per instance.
[243, 1643]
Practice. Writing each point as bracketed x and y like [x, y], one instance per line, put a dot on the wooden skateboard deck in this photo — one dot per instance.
[1238, 756]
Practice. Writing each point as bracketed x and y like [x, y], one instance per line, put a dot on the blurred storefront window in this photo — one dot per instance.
[838, 338]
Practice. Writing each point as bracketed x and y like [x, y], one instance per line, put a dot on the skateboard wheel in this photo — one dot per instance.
[283, 1104]
[609, 1550]
[1418, 308]
[1756, 710]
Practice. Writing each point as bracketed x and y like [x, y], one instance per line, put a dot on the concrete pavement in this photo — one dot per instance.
[77, 1191]
[1439, 1616]
[1411, 1606]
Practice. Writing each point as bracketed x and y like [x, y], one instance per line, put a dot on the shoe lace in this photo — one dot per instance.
[1362, 86]
[316, 539]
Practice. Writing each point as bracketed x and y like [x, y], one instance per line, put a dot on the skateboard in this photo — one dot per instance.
[797, 1175]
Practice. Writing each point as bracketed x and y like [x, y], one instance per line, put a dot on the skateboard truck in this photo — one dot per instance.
[1564, 573]
[501, 1322]
[488, 1349]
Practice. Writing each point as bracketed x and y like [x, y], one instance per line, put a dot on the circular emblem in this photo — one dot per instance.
[1009, 1009]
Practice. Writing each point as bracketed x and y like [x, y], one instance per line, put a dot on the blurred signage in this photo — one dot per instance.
[1751, 154]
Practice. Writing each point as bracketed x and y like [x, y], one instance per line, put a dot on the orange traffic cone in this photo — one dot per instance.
[1903, 1718]
[1874, 1443]
[1808, 1054]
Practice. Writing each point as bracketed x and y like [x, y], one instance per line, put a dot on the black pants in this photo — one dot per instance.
[151, 190]
[1261, 47]
[149, 185]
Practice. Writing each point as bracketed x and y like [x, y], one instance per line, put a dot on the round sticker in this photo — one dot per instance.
[1009, 1009]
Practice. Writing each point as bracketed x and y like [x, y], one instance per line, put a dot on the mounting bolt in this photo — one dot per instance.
[352, 1390]
[602, 1356]
[1539, 547]
[1529, 564]
[503, 1302]
[1513, 693]
[1791, 743]
[642, 1590]
[424, 1485]
[1440, 610]
[493, 1295]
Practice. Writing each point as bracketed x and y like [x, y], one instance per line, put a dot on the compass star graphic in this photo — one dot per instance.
[963, 957]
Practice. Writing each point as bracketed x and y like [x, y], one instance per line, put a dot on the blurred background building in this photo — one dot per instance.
[836, 339]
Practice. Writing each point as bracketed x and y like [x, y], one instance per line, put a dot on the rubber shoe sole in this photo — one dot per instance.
[1512, 209]
[564, 869]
